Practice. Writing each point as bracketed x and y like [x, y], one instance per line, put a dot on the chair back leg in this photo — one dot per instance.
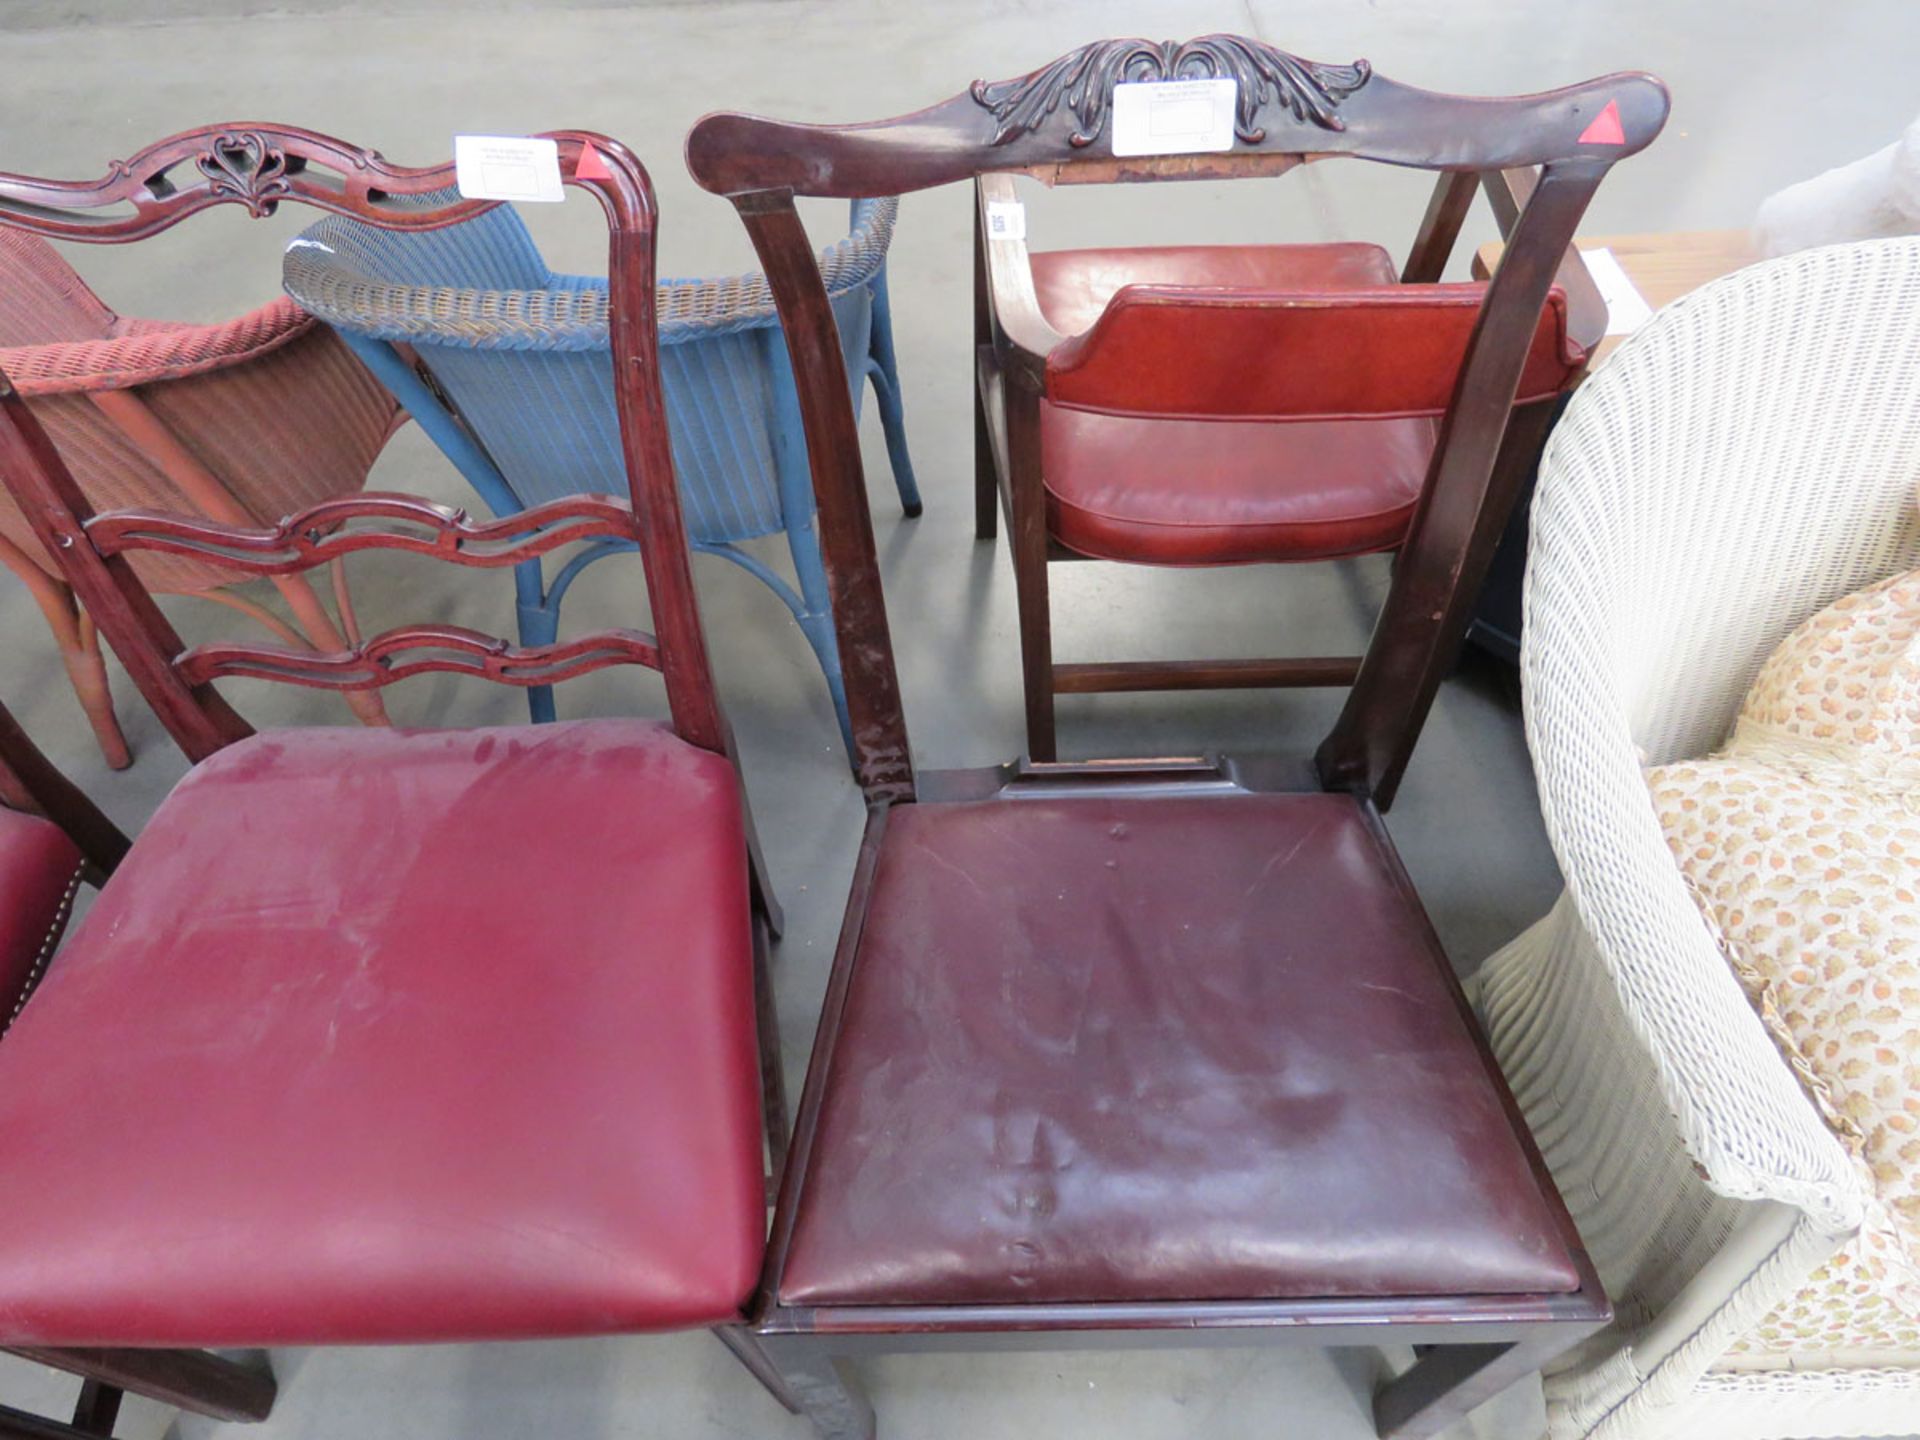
[883, 369]
[814, 614]
[79, 651]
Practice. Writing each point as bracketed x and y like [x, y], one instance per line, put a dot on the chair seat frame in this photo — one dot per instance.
[1051, 125]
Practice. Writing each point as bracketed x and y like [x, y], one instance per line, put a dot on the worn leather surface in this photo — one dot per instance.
[37, 864]
[388, 1036]
[1074, 286]
[1102, 1049]
[1239, 404]
[1224, 492]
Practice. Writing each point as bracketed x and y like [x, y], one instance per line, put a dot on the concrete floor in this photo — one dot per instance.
[1763, 94]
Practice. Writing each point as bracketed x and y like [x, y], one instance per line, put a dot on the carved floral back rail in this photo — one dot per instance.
[1053, 125]
[258, 167]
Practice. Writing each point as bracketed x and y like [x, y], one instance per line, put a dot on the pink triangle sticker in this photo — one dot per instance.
[1605, 129]
[593, 167]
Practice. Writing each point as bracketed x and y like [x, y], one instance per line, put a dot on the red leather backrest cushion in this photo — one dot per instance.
[1186, 352]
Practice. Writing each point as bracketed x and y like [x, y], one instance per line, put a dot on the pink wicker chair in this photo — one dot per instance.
[242, 421]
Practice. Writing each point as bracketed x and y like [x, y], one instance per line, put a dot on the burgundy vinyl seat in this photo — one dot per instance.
[290, 1084]
[1212, 491]
[1192, 1048]
[39, 867]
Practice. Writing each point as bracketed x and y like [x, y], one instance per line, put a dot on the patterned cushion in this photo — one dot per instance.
[1801, 841]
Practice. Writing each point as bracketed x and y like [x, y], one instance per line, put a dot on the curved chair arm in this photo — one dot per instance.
[1021, 331]
[570, 313]
[1700, 497]
[150, 351]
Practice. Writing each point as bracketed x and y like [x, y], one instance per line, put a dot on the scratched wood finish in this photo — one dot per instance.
[258, 168]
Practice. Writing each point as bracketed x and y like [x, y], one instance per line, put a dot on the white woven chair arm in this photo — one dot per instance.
[1745, 459]
[1740, 1112]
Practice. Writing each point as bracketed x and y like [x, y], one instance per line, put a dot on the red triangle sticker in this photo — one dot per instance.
[1605, 129]
[593, 167]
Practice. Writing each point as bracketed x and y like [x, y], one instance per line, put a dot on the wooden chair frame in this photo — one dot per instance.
[1012, 341]
[258, 167]
[1051, 125]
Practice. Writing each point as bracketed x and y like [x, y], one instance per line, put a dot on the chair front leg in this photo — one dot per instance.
[801, 1373]
[1450, 1381]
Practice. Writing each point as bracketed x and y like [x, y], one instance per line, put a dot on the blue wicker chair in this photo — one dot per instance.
[515, 385]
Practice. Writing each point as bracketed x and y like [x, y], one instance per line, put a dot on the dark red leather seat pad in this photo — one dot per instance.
[1106, 1049]
[390, 1036]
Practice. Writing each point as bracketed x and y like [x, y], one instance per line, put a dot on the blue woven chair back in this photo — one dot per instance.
[522, 354]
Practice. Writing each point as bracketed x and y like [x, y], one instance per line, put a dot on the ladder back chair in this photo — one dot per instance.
[330, 1061]
[1165, 1050]
[1208, 405]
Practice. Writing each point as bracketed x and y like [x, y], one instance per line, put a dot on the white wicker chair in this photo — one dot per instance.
[1751, 455]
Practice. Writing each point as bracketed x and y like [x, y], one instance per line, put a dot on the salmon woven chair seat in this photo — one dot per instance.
[243, 420]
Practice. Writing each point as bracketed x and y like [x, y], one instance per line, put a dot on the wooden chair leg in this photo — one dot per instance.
[87, 672]
[1449, 1382]
[1029, 547]
[19, 1425]
[986, 485]
[97, 1408]
[745, 1347]
[323, 634]
[802, 1375]
[773, 1079]
[986, 496]
[195, 1380]
[86, 668]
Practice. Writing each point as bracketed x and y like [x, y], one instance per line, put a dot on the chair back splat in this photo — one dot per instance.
[258, 167]
[1053, 125]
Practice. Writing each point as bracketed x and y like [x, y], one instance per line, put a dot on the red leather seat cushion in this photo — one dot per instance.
[1178, 1048]
[38, 865]
[389, 1036]
[1221, 492]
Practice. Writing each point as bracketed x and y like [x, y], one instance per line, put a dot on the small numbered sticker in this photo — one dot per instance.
[1173, 117]
[507, 167]
[1006, 220]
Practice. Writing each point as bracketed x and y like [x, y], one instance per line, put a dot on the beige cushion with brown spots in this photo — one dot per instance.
[1801, 841]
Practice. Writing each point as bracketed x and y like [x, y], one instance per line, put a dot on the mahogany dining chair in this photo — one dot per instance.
[327, 1062]
[1167, 1050]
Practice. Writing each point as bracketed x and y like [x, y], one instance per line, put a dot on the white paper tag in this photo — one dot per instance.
[1006, 220]
[1173, 117]
[1627, 310]
[507, 167]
